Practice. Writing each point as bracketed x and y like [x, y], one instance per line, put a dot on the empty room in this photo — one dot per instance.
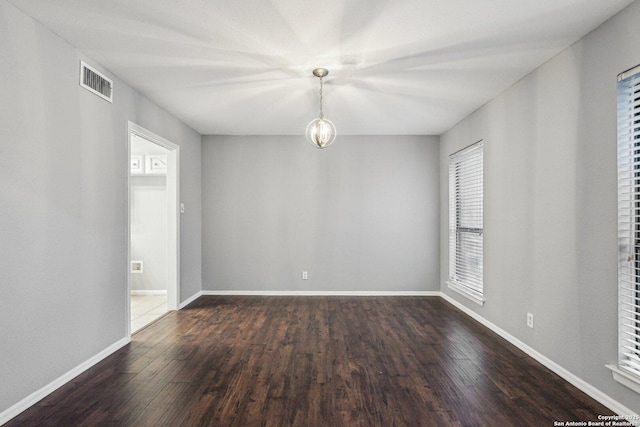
[292, 213]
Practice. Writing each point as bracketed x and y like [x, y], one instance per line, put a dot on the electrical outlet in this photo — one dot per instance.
[304, 275]
[530, 320]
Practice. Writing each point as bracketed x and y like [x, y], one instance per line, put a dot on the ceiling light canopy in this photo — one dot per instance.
[321, 132]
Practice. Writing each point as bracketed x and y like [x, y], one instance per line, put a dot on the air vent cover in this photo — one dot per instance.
[94, 81]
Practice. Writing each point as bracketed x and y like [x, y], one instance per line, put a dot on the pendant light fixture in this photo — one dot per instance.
[321, 132]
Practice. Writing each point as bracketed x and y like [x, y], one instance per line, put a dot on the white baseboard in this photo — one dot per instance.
[38, 395]
[579, 383]
[149, 292]
[190, 300]
[329, 293]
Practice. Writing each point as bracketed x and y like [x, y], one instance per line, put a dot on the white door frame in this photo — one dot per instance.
[173, 217]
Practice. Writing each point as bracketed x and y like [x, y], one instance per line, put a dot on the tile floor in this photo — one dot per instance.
[145, 309]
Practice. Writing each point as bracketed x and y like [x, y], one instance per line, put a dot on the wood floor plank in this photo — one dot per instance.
[314, 361]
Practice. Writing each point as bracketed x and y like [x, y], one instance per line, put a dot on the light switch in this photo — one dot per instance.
[181, 207]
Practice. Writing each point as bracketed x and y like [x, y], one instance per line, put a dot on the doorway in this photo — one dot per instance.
[153, 227]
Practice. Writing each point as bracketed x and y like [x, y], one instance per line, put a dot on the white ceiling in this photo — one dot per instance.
[243, 67]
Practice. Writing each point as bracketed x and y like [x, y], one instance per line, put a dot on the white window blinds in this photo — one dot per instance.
[465, 219]
[629, 222]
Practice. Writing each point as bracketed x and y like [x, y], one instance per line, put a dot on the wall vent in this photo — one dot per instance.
[96, 82]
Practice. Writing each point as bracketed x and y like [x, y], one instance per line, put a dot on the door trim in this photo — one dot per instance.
[173, 217]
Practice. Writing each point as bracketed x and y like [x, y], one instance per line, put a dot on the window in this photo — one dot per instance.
[629, 225]
[465, 222]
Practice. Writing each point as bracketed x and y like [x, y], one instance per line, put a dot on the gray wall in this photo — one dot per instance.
[149, 232]
[361, 215]
[63, 207]
[550, 204]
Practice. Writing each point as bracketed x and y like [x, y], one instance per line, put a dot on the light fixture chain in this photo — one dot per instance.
[321, 113]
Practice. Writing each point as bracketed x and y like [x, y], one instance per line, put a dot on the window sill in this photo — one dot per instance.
[625, 378]
[465, 292]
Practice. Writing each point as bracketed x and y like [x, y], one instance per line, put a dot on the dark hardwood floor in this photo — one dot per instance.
[315, 361]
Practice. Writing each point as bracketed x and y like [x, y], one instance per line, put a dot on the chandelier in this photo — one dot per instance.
[321, 132]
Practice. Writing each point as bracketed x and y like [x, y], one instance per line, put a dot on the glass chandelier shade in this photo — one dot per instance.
[321, 132]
